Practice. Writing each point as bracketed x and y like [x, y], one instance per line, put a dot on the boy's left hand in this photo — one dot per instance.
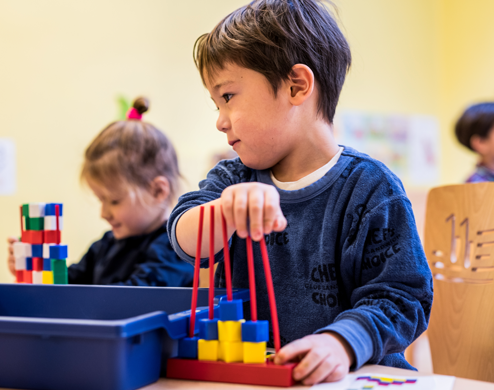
[324, 357]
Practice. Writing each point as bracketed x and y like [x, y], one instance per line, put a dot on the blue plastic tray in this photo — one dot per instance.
[91, 337]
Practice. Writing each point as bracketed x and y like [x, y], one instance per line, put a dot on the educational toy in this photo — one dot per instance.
[230, 349]
[39, 257]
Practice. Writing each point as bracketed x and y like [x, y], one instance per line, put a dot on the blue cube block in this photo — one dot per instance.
[37, 250]
[58, 252]
[231, 310]
[50, 208]
[255, 332]
[46, 265]
[29, 263]
[208, 329]
[187, 348]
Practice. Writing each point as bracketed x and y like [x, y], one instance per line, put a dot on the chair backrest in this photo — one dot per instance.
[459, 245]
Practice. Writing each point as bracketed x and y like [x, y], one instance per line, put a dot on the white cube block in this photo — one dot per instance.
[37, 277]
[46, 251]
[22, 249]
[20, 263]
[51, 222]
[36, 210]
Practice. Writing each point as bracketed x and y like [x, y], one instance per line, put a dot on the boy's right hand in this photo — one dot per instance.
[257, 201]
[11, 258]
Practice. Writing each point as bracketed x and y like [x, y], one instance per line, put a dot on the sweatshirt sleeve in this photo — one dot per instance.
[391, 283]
[82, 272]
[224, 174]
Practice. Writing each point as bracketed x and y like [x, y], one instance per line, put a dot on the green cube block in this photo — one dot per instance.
[59, 268]
[35, 223]
[25, 210]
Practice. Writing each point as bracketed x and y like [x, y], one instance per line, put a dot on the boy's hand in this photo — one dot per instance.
[324, 357]
[260, 202]
[11, 258]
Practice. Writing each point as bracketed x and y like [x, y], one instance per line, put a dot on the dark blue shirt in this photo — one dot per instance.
[350, 260]
[146, 260]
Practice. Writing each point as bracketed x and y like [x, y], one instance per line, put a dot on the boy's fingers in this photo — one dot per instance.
[240, 212]
[11, 240]
[256, 200]
[310, 364]
[292, 350]
[321, 371]
[227, 207]
[338, 373]
[271, 209]
[279, 223]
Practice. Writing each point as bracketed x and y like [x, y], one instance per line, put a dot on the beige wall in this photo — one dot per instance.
[63, 63]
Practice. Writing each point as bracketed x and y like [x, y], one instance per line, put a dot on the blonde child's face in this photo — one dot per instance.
[128, 214]
[258, 126]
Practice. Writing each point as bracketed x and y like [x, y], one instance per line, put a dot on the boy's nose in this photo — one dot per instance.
[223, 123]
[105, 213]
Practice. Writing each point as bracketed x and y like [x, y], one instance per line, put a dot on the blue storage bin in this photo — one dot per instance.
[92, 337]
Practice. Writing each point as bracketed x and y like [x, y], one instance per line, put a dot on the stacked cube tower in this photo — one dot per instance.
[229, 338]
[39, 256]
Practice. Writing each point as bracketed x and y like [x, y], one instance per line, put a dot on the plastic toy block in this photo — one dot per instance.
[230, 351]
[22, 249]
[29, 263]
[187, 347]
[255, 331]
[25, 210]
[35, 223]
[51, 236]
[51, 223]
[36, 210]
[37, 263]
[254, 352]
[59, 269]
[229, 330]
[20, 263]
[46, 264]
[28, 276]
[208, 329]
[267, 374]
[37, 277]
[19, 276]
[58, 252]
[46, 251]
[50, 209]
[36, 250]
[207, 349]
[231, 310]
[32, 236]
[47, 277]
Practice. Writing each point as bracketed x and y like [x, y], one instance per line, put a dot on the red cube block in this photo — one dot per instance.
[52, 237]
[37, 264]
[32, 236]
[19, 276]
[28, 276]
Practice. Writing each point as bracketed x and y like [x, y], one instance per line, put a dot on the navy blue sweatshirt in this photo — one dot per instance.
[146, 260]
[350, 260]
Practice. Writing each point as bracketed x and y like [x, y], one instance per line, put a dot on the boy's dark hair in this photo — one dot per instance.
[476, 120]
[271, 36]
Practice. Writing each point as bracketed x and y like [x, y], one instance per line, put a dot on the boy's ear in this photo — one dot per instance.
[160, 189]
[301, 82]
[477, 143]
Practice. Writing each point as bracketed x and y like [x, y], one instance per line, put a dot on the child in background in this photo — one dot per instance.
[351, 279]
[132, 168]
[475, 130]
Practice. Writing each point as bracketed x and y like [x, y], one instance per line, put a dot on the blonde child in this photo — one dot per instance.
[351, 279]
[132, 169]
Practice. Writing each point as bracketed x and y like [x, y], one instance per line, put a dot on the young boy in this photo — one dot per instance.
[475, 130]
[351, 279]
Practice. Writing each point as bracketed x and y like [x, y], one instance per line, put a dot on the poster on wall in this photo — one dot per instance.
[407, 144]
[7, 167]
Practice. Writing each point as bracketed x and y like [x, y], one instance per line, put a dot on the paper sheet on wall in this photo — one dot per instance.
[7, 167]
[380, 382]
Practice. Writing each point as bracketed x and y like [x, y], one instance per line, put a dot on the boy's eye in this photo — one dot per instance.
[114, 202]
[227, 97]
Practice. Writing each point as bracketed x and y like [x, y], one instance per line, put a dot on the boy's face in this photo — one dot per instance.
[258, 126]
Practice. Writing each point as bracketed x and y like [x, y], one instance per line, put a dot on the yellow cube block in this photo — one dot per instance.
[47, 277]
[207, 349]
[254, 352]
[230, 330]
[231, 351]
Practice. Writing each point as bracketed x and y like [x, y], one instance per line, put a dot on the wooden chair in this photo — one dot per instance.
[459, 245]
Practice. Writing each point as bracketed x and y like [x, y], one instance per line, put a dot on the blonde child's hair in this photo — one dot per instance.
[133, 152]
